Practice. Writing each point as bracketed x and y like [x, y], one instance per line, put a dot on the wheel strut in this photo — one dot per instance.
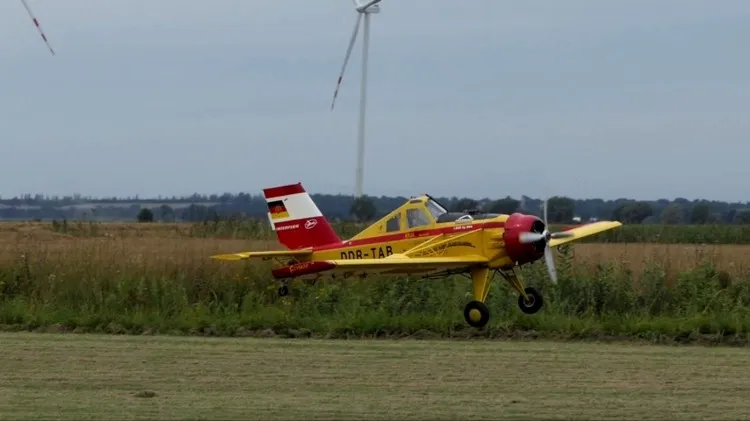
[514, 279]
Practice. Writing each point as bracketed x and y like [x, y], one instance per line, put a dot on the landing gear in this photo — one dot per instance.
[529, 298]
[476, 312]
[283, 291]
[533, 303]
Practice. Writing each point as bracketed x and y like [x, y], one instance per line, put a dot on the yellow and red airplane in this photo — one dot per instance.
[419, 237]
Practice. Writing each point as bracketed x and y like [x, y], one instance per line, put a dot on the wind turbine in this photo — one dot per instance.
[38, 27]
[367, 9]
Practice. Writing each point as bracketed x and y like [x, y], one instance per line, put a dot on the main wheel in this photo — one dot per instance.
[283, 291]
[534, 303]
[476, 314]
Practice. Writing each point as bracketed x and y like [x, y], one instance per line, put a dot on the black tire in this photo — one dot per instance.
[535, 302]
[283, 291]
[476, 314]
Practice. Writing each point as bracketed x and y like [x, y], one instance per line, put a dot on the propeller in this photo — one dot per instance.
[546, 236]
[38, 27]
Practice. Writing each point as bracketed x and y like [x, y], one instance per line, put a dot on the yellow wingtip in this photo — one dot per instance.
[228, 257]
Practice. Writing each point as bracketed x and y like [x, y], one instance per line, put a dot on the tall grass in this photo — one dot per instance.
[168, 285]
[260, 230]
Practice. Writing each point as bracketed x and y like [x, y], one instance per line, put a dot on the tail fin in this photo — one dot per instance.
[296, 219]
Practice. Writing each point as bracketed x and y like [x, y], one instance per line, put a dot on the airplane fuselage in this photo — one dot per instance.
[483, 237]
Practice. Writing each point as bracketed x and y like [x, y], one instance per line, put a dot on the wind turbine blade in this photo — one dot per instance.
[38, 27]
[346, 58]
[363, 8]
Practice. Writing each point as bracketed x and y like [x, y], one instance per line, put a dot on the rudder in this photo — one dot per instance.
[296, 218]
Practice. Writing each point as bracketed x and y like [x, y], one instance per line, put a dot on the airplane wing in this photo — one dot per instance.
[394, 264]
[585, 231]
[262, 254]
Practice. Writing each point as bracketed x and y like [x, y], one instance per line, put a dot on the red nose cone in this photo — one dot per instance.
[517, 251]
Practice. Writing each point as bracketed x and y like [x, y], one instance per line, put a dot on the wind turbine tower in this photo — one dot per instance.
[365, 10]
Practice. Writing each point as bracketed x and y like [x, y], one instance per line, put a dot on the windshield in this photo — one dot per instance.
[435, 209]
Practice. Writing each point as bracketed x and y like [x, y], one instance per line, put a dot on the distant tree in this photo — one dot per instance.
[506, 206]
[363, 209]
[742, 216]
[730, 215]
[201, 213]
[699, 213]
[672, 214]
[560, 209]
[253, 205]
[145, 215]
[464, 204]
[166, 213]
[632, 212]
[650, 220]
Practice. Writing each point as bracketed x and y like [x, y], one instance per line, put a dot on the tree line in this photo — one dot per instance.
[339, 207]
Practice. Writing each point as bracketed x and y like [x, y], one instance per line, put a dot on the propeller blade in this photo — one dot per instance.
[38, 27]
[530, 237]
[550, 261]
[346, 58]
[545, 212]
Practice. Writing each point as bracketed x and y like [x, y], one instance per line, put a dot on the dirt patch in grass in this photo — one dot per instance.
[140, 377]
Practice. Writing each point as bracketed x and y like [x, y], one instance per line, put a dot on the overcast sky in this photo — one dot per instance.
[585, 98]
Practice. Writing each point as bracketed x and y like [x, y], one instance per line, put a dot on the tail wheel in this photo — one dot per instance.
[283, 291]
[533, 304]
[476, 314]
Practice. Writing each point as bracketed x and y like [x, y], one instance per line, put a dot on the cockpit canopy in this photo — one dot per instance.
[418, 213]
[455, 216]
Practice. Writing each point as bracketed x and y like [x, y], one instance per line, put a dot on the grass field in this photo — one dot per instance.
[80, 377]
[141, 277]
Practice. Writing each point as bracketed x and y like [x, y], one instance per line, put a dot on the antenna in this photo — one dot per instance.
[366, 9]
[38, 27]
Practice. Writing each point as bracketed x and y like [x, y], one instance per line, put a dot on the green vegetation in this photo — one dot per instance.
[260, 230]
[114, 290]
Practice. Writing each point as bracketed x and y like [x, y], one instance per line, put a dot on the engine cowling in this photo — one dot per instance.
[514, 226]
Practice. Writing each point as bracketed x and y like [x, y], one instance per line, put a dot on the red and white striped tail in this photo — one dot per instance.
[296, 218]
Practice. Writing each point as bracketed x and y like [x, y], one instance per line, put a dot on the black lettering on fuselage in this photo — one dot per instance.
[371, 253]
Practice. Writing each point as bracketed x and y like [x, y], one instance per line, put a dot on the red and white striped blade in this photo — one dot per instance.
[346, 58]
[38, 27]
